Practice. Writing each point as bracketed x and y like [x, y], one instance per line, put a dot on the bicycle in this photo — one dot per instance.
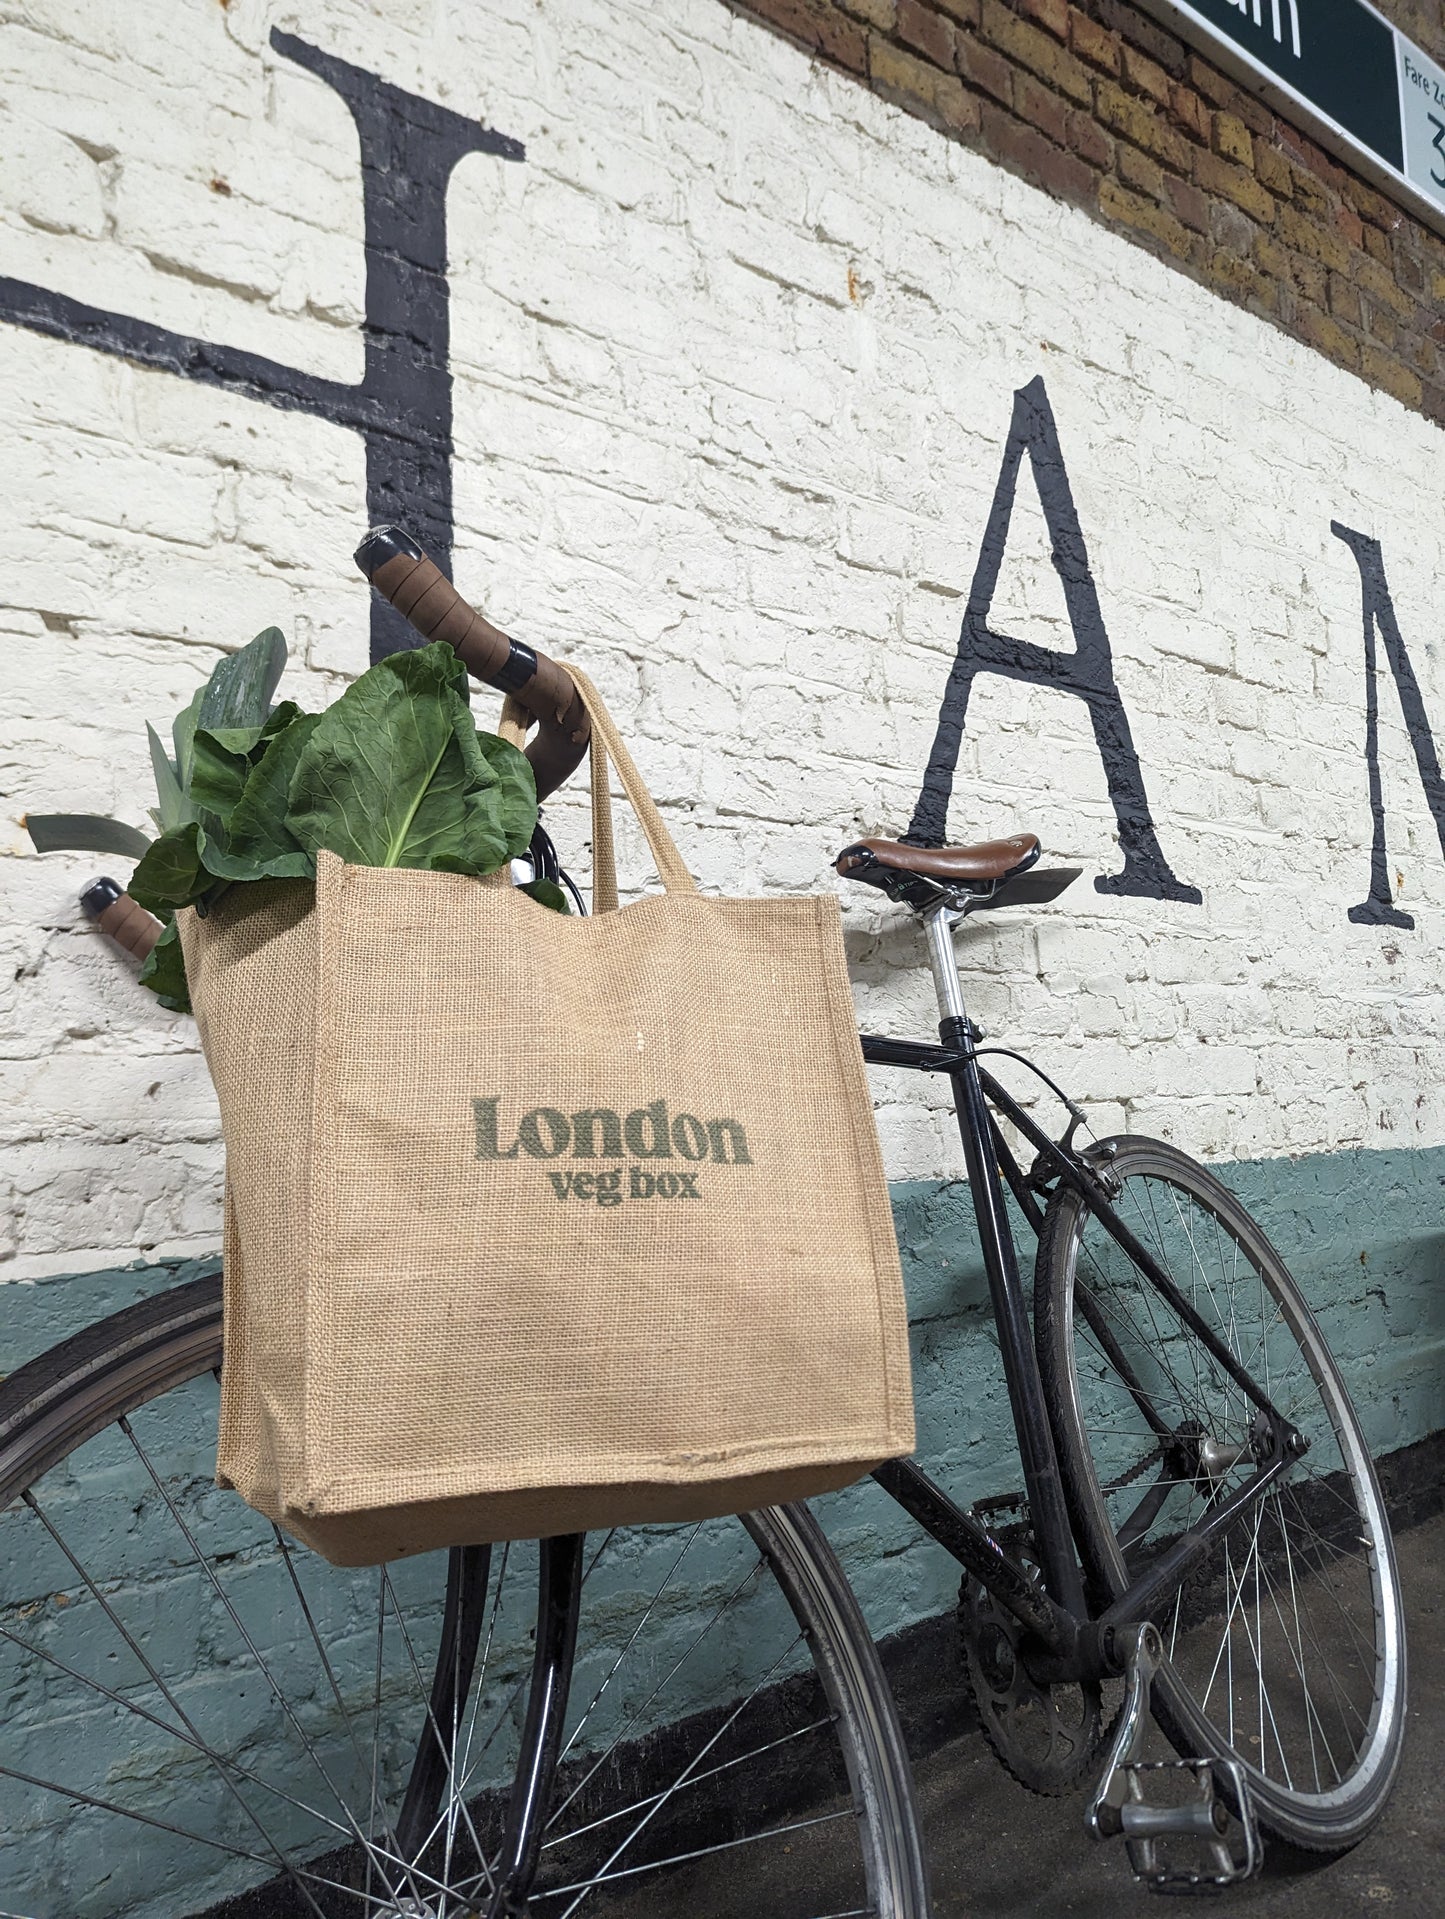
[437, 1775]
[1161, 1478]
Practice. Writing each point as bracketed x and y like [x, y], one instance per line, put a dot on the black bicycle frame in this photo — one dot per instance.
[1057, 1615]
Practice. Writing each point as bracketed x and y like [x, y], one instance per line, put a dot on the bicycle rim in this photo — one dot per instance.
[1286, 1643]
[203, 1717]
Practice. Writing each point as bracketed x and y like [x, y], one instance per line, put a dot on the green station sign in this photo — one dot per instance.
[1341, 69]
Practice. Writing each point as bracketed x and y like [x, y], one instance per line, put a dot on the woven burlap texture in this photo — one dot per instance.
[538, 1223]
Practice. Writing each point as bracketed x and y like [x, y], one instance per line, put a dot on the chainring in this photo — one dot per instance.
[1046, 1736]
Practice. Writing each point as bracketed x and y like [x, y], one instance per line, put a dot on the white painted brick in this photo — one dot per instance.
[751, 503]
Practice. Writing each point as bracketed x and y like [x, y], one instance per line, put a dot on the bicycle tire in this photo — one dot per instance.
[70, 1433]
[1277, 1692]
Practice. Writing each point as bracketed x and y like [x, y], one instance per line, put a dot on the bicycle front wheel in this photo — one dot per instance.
[1286, 1644]
[202, 1717]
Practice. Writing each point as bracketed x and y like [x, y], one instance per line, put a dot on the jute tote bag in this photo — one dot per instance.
[539, 1223]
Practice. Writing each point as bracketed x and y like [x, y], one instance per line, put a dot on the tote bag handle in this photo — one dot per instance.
[607, 741]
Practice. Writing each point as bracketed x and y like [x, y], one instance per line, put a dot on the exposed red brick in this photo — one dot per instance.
[983, 68]
[1094, 43]
[1272, 168]
[1066, 177]
[1382, 368]
[1326, 333]
[1372, 206]
[820, 26]
[1344, 300]
[1382, 325]
[1146, 75]
[1143, 216]
[1231, 139]
[1306, 276]
[1216, 87]
[1136, 169]
[1138, 30]
[926, 32]
[1189, 112]
[1053, 14]
[1042, 108]
[1025, 149]
[1089, 140]
[875, 13]
[1035, 50]
[1232, 183]
[1254, 113]
[1350, 226]
[1237, 275]
[1187, 202]
[920, 87]
[1140, 122]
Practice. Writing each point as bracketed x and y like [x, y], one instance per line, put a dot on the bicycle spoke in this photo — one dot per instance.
[277, 1858]
[606, 1878]
[277, 1691]
[455, 1798]
[636, 1634]
[670, 1674]
[664, 1798]
[713, 1772]
[1294, 1647]
[269, 1657]
[180, 1734]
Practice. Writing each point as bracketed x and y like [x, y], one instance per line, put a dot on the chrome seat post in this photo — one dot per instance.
[938, 924]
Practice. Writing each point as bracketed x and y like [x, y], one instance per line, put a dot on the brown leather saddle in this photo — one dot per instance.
[921, 875]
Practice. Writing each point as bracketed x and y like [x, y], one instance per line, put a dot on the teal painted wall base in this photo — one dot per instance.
[1363, 1232]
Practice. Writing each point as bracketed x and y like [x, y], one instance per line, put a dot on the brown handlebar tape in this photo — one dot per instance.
[424, 596]
[117, 914]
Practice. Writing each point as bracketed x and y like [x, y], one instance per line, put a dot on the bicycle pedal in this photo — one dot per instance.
[1118, 1808]
[1204, 1819]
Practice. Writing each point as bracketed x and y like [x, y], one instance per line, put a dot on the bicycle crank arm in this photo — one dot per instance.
[1118, 1808]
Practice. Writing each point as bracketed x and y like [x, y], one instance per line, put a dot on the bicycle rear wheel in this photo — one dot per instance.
[202, 1717]
[1286, 1645]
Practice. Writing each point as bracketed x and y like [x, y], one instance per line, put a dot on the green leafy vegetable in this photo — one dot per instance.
[164, 972]
[240, 688]
[396, 774]
[84, 833]
[171, 873]
[183, 732]
[547, 893]
[257, 842]
[173, 807]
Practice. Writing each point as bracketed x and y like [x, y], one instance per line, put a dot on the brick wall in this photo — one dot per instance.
[1098, 104]
[734, 354]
